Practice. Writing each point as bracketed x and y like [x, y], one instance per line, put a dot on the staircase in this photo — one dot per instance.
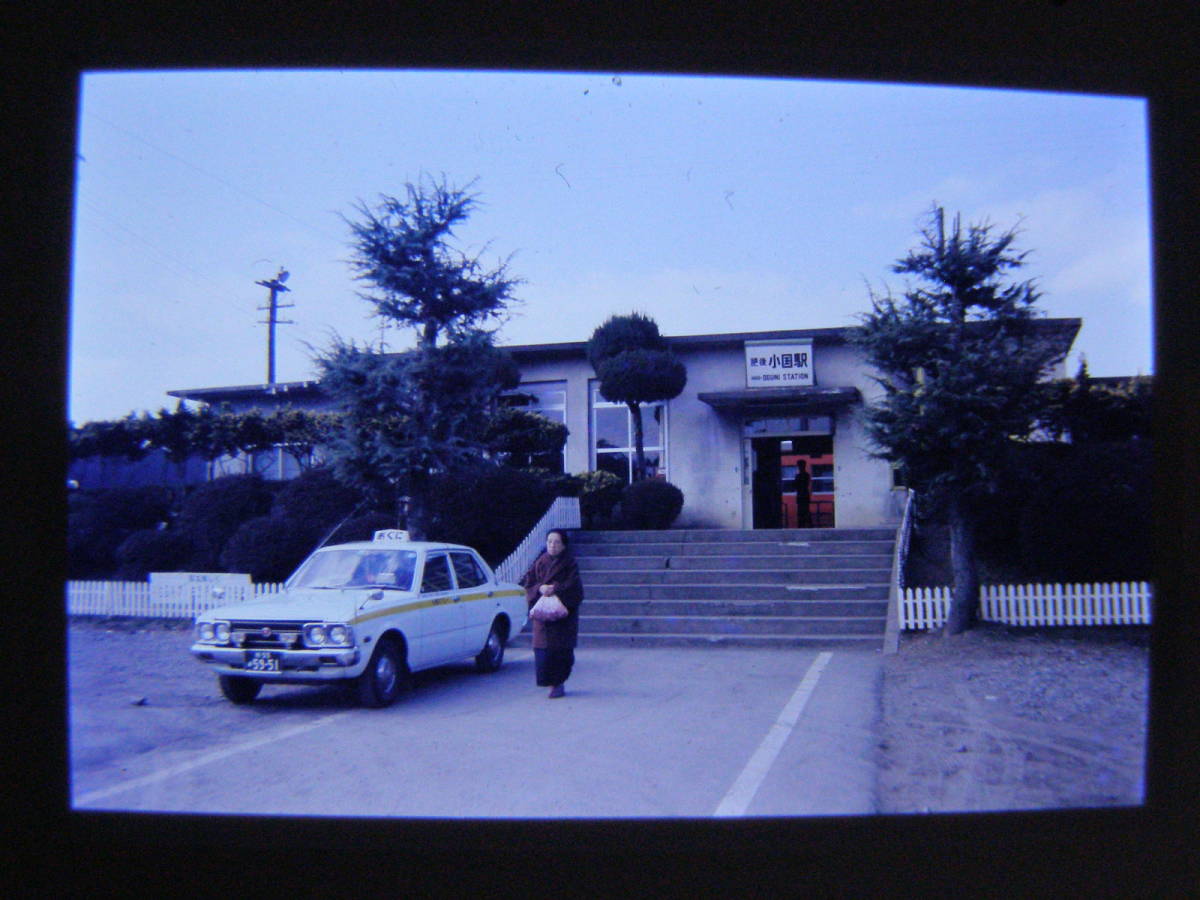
[815, 587]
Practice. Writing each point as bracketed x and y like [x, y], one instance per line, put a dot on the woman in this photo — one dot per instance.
[554, 572]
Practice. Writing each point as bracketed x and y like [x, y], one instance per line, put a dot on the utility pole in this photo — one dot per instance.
[275, 286]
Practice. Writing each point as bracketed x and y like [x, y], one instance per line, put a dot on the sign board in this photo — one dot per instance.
[198, 586]
[391, 534]
[779, 363]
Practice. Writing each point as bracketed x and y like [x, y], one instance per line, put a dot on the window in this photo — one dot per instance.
[613, 441]
[467, 570]
[437, 575]
[547, 398]
[822, 479]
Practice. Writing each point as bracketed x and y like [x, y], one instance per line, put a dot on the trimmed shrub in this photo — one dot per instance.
[362, 528]
[491, 510]
[650, 504]
[316, 498]
[599, 493]
[152, 550]
[268, 547]
[98, 521]
[1069, 513]
[213, 512]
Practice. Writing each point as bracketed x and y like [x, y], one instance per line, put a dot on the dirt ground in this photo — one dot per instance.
[997, 718]
[1003, 718]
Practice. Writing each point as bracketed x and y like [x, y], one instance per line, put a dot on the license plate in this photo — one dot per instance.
[262, 661]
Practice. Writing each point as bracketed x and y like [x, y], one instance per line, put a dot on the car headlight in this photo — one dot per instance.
[204, 631]
[338, 634]
[315, 636]
[221, 632]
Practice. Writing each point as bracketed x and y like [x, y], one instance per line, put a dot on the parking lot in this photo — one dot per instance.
[687, 732]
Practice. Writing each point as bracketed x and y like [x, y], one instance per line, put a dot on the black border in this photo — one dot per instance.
[1113, 47]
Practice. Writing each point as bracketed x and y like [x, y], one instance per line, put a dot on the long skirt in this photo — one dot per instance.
[553, 664]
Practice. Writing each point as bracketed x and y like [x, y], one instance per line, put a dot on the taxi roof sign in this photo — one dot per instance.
[391, 534]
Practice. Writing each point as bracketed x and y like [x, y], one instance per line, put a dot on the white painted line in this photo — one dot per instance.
[738, 799]
[163, 774]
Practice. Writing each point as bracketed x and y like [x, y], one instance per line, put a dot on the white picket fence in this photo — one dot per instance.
[140, 599]
[1118, 603]
[563, 513]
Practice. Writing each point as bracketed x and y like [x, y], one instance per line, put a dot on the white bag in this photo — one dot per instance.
[548, 609]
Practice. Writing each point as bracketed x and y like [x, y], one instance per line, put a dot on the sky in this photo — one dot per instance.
[711, 204]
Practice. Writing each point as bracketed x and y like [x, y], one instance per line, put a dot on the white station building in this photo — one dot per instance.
[755, 406]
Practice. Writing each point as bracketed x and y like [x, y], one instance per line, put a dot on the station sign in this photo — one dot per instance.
[779, 363]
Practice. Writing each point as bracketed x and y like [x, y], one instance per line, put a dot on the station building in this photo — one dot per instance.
[756, 406]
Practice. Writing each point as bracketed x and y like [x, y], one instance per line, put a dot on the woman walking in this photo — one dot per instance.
[555, 571]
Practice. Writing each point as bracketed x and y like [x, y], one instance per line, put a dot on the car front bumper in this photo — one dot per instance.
[326, 664]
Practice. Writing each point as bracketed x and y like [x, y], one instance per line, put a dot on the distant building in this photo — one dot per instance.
[755, 405]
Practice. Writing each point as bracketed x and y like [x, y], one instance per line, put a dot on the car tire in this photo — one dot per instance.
[491, 656]
[239, 689]
[384, 678]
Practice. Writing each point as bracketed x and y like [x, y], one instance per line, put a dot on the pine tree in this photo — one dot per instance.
[962, 359]
[412, 415]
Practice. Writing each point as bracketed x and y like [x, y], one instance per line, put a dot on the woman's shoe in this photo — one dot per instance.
[556, 691]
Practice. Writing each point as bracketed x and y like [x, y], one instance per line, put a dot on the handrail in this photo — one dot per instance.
[563, 513]
[891, 631]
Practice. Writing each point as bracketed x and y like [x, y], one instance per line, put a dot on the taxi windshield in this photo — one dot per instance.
[357, 569]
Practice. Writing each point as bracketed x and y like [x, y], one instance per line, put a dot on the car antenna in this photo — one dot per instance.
[332, 531]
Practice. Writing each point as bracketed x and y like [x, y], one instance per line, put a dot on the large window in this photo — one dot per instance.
[547, 398]
[613, 440]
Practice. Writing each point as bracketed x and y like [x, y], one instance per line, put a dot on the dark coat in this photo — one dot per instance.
[562, 572]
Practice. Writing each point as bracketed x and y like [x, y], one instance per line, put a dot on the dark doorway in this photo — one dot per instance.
[767, 487]
[815, 452]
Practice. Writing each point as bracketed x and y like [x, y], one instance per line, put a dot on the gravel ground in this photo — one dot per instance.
[1002, 718]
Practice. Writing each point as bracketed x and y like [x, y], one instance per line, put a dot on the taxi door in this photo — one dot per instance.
[443, 615]
[477, 596]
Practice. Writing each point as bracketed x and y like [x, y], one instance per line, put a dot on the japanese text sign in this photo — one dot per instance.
[779, 363]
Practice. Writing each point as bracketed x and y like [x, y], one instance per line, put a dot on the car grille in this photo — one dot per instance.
[283, 635]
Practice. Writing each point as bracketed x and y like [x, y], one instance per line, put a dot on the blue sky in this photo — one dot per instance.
[712, 204]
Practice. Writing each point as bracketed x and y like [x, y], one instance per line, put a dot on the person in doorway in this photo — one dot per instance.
[555, 571]
[801, 487]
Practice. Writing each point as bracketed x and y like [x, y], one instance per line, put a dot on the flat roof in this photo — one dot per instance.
[1066, 328]
[239, 391]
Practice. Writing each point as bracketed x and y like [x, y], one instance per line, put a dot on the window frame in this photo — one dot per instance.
[596, 401]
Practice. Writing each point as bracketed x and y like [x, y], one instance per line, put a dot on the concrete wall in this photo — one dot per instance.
[705, 457]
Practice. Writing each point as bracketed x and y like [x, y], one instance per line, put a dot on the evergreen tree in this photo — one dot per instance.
[962, 358]
[635, 366]
[412, 416]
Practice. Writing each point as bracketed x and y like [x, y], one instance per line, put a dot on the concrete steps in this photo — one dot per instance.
[766, 588]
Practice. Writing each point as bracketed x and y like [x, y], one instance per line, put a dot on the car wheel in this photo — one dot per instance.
[492, 654]
[238, 689]
[385, 676]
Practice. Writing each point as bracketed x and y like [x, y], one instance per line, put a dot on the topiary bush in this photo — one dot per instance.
[214, 511]
[362, 528]
[269, 548]
[651, 504]
[98, 521]
[599, 493]
[491, 510]
[316, 498]
[152, 550]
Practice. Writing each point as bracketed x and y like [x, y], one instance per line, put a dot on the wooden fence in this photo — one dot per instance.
[1119, 603]
[140, 599]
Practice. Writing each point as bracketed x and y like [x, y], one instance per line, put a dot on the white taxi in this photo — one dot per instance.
[369, 612]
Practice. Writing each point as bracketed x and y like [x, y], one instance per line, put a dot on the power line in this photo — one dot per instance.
[207, 174]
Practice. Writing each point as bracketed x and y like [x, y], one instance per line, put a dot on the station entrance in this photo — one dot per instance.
[792, 481]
